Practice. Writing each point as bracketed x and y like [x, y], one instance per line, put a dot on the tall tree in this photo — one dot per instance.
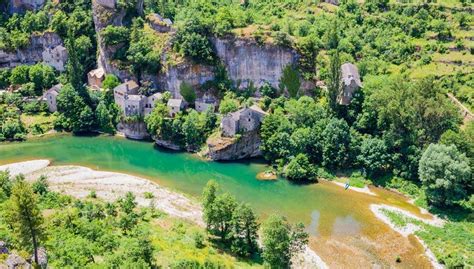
[334, 82]
[24, 216]
[446, 175]
[244, 231]
[281, 242]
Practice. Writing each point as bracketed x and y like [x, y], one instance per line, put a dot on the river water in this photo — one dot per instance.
[344, 232]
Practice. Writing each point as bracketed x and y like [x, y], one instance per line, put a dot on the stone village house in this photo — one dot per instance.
[175, 106]
[127, 97]
[95, 78]
[50, 97]
[350, 83]
[244, 120]
[204, 103]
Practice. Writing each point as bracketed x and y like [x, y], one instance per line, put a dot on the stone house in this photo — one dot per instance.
[150, 102]
[242, 121]
[204, 103]
[350, 83]
[124, 89]
[50, 97]
[55, 57]
[175, 106]
[95, 78]
[127, 97]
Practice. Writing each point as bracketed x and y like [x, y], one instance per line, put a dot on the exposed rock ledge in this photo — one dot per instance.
[233, 148]
[78, 181]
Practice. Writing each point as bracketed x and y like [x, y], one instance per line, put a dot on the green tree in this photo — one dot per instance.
[374, 156]
[281, 242]
[110, 82]
[209, 195]
[334, 82]
[20, 75]
[228, 104]
[300, 169]
[104, 118]
[40, 186]
[5, 185]
[222, 211]
[24, 216]
[446, 175]
[335, 144]
[290, 81]
[244, 231]
[42, 76]
[186, 90]
[193, 130]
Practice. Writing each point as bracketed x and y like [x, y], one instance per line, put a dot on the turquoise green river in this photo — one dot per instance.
[340, 222]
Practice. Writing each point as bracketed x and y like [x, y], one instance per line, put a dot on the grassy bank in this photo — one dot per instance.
[452, 244]
[90, 233]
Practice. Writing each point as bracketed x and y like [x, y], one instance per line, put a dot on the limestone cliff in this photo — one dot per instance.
[173, 75]
[234, 148]
[46, 47]
[133, 130]
[104, 13]
[246, 61]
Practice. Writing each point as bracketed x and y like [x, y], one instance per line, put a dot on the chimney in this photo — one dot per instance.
[126, 86]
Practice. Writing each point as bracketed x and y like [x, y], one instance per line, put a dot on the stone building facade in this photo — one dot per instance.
[50, 97]
[242, 121]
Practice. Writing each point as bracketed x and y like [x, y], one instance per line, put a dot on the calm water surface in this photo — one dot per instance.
[344, 231]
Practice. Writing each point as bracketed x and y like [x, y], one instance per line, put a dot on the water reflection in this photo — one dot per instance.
[314, 225]
[345, 226]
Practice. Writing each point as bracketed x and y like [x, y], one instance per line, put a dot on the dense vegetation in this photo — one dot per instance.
[91, 233]
[400, 130]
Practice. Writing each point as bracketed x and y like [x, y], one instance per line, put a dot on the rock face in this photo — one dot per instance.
[20, 6]
[104, 14]
[246, 61]
[47, 47]
[234, 148]
[16, 262]
[194, 74]
[133, 130]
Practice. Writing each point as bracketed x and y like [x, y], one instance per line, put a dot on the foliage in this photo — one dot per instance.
[300, 169]
[187, 91]
[110, 82]
[446, 175]
[24, 216]
[281, 241]
[228, 104]
[374, 156]
[290, 81]
[235, 224]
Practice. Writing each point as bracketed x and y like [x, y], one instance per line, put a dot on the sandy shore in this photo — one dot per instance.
[365, 189]
[409, 228]
[79, 181]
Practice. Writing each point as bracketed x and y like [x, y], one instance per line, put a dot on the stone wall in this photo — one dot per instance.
[39, 47]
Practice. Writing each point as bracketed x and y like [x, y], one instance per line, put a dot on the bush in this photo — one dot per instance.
[300, 169]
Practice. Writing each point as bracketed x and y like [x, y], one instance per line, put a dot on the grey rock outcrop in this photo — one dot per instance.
[171, 78]
[133, 130]
[20, 6]
[42, 257]
[46, 47]
[4, 248]
[246, 61]
[234, 148]
[15, 261]
[104, 14]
